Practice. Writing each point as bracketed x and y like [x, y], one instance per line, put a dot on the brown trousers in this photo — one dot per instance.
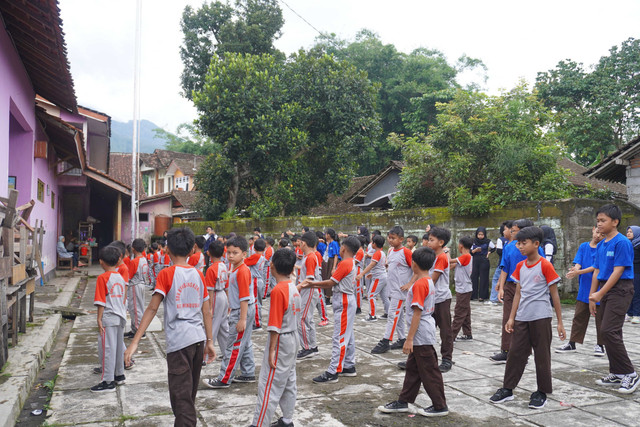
[527, 335]
[580, 322]
[507, 303]
[462, 315]
[614, 306]
[422, 367]
[184, 376]
[442, 316]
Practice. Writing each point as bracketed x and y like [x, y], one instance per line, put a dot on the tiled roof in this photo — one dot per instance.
[189, 166]
[120, 170]
[580, 180]
[186, 198]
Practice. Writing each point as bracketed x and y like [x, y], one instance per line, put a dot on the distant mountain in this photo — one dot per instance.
[122, 135]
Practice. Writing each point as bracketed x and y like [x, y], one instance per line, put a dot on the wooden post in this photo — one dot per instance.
[7, 245]
[119, 218]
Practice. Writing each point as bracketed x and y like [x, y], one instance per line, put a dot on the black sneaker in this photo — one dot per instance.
[393, 407]
[245, 379]
[358, 310]
[502, 395]
[370, 318]
[397, 345]
[500, 357]
[104, 387]
[629, 384]
[314, 350]
[303, 354]
[129, 335]
[119, 379]
[381, 347]
[384, 316]
[348, 372]
[326, 377]
[211, 383]
[130, 366]
[569, 347]
[281, 423]
[97, 370]
[445, 365]
[609, 380]
[538, 400]
[464, 338]
[433, 412]
[144, 336]
[402, 365]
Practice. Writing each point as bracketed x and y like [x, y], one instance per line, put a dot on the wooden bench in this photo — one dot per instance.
[65, 263]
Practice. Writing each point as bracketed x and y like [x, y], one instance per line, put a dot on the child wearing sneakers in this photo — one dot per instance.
[464, 289]
[399, 274]
[187, 325]
[530, 320]
[613, 273]
[583, 267]
[377, 268]
[422, 363]
[310, 270]
[277, 384]
[239, 349]
[112, 317]
[138, 277]
[216, 280]
[438, 239]
[343, 350]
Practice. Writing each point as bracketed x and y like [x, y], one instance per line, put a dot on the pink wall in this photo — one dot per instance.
[154, 208]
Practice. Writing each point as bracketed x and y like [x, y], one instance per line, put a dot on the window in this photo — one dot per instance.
[161, 186]
[143, 217]
[40, 191]
[53, 200]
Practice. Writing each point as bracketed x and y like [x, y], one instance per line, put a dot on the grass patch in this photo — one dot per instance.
[33, 325]
[124, 418]
[50, 385]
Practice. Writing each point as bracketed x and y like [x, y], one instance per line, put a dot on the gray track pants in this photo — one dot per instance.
[306, 326]
[111, 345]
[220, 325]
[135, 305]
[239, 348]
[343, 344]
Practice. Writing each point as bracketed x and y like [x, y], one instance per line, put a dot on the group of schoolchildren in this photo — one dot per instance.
[413, 283]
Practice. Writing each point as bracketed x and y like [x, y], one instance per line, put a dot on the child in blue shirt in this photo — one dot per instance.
[613, 273]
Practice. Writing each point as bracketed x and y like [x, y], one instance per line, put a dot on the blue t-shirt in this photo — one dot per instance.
[511, 256]
[333, 250]
[585, 257]
[617, 252]
[322, 247]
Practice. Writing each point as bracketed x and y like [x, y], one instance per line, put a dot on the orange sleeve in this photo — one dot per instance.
[133, 266]
[549, 272]
[243, 278]
[420, 292]
[156, 259]
[516, 272]
[442, 263]
[164, 281]
[376, 257]
[212, 276]
[252, 260]
[193, 260]
[124, 272]
[127, 262]
[279, 304]
[408, 256]
[205, 294]
[100, 297]
[360, 255]
[310, 264]
[464, 259]
[342, 270]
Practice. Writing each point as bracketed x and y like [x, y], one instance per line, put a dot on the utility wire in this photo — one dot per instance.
[301, 17]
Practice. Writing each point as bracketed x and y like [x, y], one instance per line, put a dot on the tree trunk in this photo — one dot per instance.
[233, 189]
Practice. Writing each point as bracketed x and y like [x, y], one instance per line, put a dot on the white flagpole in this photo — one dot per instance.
[136, 119]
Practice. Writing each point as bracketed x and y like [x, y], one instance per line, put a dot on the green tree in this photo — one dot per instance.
[187, 139]
[249, 26]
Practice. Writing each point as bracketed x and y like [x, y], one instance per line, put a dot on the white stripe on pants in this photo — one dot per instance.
[343, 351]
[135, 305]
[277, 386]
[111, 343]
[220, 323]
[306, 325]
[395, 321]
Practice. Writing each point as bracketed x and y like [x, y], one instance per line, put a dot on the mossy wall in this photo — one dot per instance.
[571, 219]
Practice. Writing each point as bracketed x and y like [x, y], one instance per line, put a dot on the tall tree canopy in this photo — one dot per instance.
[597, 110]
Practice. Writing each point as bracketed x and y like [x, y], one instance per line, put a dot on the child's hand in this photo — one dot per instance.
[500, 294]
[509, 326]
[561, 332]
[595, 297]
[272, 358]
[241, 325]
[209, 352]
[359, 277]
[592, 307]
[100, 326]
[129, 352]
[573, 272]
[407, 348]
[405, 287]
[369, 276]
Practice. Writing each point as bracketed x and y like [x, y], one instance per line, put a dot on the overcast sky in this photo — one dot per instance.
[515, 39]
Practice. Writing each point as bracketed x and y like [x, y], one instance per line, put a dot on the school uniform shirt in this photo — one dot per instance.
[380, 269]
[127, 261]
[284, 308]
[617, 252]
[240, 288]
[268, 253]
[138, 271]
[585, 257]
[534, 289]
[441, 265]
[197, 260]
[184, 293]
[398, 272]
[359, 257]
[370, 250]
[256, 266]
[322, 248]
[500, 244]
[166, 260]
[110, 292]
[422, 295]
[333, 250]
[511, 256]
[217, 277]
[319, 257]
[123, 270]
[310, 268]
[344, 277]
[462, 275]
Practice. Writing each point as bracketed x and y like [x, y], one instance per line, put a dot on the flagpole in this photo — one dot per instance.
[136, 120]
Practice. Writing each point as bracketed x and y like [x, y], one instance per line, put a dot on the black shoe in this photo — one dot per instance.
[402, 365]
[104, 387]
[303, 354]
[144, 336]
[538, 400]
[348, 372]
[384, 316]
[445, 365]
[358, 310]
[397, 345]
[381, 347]
[129, 335]
[502, 395]
[119, 379]
[281, 423]
[370, 318]
[245, 379]
[326, 377]
[393, 407]
[433, 412]
[500, 357]
[97, 370]
[464, 338]
[211, 383]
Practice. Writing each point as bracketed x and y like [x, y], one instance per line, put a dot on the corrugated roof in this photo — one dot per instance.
[580, 180]
[612, 168]
[36, 30]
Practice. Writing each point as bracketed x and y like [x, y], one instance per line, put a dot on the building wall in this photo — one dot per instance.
[633, 180]
[387, 185]
[154, 208]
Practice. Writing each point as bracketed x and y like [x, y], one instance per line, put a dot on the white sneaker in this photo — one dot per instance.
[598, 350]
[635, 320]
[488, 302]
[627, 318]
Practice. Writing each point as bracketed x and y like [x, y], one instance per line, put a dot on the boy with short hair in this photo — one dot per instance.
[422, 363]
[583, 267]
[256, 262]
[197, 258]
[343, 351]
[277, 384]
[399, 274]
[464, 288]
[112, 317]
[216, 280]
[530, 320]
[425, 240]
[438, 239]
[412, 242]
[309, 297]
[378, 270]
[138, 276]
[613, 273]
[241, 302]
